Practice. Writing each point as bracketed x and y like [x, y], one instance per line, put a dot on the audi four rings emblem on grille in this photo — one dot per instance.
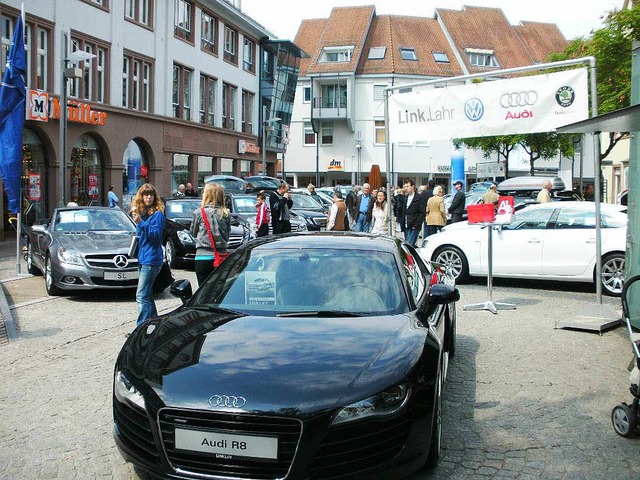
[519, 99]
[120, 261]
[227, 401]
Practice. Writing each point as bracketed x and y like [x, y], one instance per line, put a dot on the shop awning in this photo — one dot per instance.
[622, 120]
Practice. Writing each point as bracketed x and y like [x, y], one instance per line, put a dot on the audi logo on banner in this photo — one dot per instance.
[519, 99]
[228, 401]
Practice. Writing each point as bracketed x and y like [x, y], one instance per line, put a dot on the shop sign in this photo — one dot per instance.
[42, 107]
[491, 169]
[335, 165]
[444, 168]
[35, 190]
[247, 147]
[93, 185]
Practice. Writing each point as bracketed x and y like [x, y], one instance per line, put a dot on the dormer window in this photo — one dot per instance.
[377, 53]
[481, 58]
[336, 54]
[408, 54]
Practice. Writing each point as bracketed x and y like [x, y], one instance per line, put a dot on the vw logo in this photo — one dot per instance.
[519, 99]
[227, 401]
[120, 261]
[474, 109]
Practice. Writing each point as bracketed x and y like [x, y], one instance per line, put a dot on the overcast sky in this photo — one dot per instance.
[574, 17]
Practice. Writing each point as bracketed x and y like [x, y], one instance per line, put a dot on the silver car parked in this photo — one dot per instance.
[83, 248]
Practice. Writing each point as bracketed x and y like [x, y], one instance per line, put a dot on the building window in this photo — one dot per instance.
[181, 98]
[207, 100]
[377, 53]
[37, 43]
[408, 54]
[247, 112]
[209, 33]
[309, 134]
[378, 93]
[440, 57]
[326, 133]
[103, 4]
[482, 58]
[248, 56]
[228, 106]
[183, 20]
[139, 11]
[92, 86]
[230, 44]
[336, 54]
[268, 61]
[136, 82]
[306, 97]
[380, 134]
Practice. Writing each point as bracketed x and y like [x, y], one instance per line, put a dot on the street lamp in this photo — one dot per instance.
[66, 73]
[359, 150]
[266, 127]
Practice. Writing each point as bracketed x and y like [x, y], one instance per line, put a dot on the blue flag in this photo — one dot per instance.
[12, 105]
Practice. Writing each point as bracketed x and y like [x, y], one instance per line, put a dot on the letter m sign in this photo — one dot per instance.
[38, 106]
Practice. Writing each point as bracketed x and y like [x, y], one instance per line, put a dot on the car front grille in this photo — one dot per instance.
[354, 447]
[114, 283]
[107, 260]
[134, 431]
[286, 429]
[235, 241]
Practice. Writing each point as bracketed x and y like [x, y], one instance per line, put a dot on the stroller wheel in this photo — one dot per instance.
[623, 420]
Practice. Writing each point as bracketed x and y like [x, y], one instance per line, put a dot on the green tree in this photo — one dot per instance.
[611, 47]
[500, 145]
[545, 145]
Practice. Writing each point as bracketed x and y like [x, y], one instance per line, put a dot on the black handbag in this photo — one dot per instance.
[164, 278]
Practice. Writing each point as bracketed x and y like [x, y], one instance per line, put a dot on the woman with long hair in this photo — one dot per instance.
[220, 225]
[147, 211]
[380, 217]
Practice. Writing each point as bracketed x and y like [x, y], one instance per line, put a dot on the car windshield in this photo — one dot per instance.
[268, 282]
[269, 183]
[84, 220]
[245, 204]
[301, 200]
[175, 209]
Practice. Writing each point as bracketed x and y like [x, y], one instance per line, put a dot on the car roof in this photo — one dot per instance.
[579, 205]
[528, 183]
[329, 240]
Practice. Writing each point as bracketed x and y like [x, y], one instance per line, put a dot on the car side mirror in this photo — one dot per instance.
[182, 290]
[442, 293]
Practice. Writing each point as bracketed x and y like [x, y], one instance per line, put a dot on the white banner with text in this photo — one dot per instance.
[539, 103]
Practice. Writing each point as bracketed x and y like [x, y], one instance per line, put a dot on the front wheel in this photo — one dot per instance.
[624, 423]
[170, 254]
[454, 261]
[612, 274]
[49, 281]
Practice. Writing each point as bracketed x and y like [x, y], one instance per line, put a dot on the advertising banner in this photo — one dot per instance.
[93, 185]
[35, 190]
[531, 104]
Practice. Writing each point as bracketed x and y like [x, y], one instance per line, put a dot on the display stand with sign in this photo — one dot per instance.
[490, 305]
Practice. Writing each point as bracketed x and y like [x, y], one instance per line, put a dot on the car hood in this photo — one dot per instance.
[309, 213]
[96, 242]
[307, 364]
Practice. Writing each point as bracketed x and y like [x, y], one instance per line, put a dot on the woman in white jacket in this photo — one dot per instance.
[379, 215]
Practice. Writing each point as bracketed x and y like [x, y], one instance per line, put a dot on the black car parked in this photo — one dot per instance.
[269, 371]
[179, 245]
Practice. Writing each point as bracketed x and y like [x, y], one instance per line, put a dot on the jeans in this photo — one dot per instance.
[411, 235]
[144, 295]
[361, 224]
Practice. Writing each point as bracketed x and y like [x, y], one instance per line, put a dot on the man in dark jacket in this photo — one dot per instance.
[280, 203]
[411, 212]
[456, 209]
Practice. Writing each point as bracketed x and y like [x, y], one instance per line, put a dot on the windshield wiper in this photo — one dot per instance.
[209, 308]
[320, 313]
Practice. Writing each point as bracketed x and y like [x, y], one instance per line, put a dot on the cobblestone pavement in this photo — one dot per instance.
[523, 400]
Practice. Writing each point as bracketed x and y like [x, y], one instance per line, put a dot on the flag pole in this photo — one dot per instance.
[19, 229]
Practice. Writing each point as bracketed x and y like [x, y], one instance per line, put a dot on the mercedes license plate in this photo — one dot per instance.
[121, 275]
[227, 445]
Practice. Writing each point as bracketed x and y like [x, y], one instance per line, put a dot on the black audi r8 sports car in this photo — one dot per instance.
[269, 371]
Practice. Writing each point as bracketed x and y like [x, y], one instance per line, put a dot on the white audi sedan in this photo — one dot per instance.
[552, 241]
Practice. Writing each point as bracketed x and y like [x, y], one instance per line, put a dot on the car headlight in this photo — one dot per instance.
[386, 402]
[125, 392]
[69, 256]
[185, 236]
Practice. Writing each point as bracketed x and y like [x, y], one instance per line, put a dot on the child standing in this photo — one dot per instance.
[262, 218]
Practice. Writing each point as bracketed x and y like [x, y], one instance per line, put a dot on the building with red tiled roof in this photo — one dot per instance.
[338, 121]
